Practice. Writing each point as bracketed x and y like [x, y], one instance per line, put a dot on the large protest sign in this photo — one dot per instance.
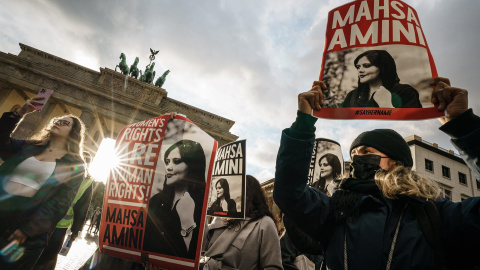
[376, 63]
[227, 191]
[326, 165]
[155, 198]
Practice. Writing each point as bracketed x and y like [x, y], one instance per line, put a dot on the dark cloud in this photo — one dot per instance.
[245, 60]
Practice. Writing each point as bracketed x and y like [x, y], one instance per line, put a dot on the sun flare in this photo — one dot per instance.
[104, 160]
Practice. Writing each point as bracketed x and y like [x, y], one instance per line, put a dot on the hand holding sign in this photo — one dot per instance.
[313, 99]
[453, 100]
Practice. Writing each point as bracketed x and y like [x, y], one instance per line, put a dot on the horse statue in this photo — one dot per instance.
[160, 81]
[123, 65]
[149, 74]
[133, 69]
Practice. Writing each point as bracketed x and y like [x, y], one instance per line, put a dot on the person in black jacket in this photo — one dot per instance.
[295, 242]
[39, 179]
[74, 219]
[373, 221]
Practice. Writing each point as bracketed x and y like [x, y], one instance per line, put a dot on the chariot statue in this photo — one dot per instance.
[123, 65]
[149, 74]
[134, 71]
[160, 81]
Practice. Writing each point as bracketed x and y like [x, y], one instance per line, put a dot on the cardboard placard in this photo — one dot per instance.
[376, 63]
[155, 198]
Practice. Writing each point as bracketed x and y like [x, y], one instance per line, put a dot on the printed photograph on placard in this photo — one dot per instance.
[403, 71]
[227, 189]
[178, 191]
[327, 165]
[155, 198]
[376, 63]
[227, 196]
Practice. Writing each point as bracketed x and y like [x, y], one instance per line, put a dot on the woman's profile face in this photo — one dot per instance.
[62, 127]
[220, 191]
[367, 72]
[177, 169]
[325, 168]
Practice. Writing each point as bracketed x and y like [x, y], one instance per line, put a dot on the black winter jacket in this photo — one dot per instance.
[369, 236]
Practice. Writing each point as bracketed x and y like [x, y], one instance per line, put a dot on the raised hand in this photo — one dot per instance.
[453, 100]
[30, 105]
[313, 99]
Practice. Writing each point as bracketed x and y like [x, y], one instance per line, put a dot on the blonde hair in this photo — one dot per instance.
[75, 139]
[401, 180]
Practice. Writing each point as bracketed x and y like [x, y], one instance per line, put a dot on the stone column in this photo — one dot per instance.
[4, 93]
[89, 120]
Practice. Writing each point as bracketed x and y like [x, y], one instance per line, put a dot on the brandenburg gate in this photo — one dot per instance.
[106, 101]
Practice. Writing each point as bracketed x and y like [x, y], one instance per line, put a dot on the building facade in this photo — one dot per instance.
[105, 100]
[445, 167]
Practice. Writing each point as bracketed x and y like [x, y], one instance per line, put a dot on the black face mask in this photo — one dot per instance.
[365, 167]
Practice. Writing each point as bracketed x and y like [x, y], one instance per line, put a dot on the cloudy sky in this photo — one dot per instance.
[244, 60]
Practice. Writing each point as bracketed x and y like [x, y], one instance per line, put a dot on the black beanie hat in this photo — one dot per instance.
[387, 141]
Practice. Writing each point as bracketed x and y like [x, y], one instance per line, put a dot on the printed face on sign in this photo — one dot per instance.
[376, 63]
[177, 169]
[325, 168]
[367, 72]
[326, 165]
[220, 190]
[161, 158]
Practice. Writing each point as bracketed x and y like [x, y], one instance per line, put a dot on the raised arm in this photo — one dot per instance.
[9, 121]
[459, 122]
[308, 207]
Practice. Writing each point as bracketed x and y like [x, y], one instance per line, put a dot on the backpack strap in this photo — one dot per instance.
[430, 222]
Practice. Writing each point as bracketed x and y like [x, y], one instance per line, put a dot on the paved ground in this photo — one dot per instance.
[82, 249]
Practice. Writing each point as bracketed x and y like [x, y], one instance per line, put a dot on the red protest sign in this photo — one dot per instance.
[376, 63]
[155, 198]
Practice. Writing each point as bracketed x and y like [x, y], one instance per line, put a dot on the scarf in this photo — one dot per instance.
[345, 199]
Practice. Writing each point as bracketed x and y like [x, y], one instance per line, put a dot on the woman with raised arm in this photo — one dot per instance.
[385, 215]
[39, 179]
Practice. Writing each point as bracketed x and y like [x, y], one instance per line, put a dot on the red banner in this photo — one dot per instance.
[376, 63]
[155, 198]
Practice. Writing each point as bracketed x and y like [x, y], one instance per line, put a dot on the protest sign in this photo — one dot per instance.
[227, 191]
[326, 165]
[376, 63]
[155, 198]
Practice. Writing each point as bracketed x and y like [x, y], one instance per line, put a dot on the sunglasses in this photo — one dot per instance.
[62, 122]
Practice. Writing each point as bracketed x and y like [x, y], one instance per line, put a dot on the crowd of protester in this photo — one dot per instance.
[383, 215]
